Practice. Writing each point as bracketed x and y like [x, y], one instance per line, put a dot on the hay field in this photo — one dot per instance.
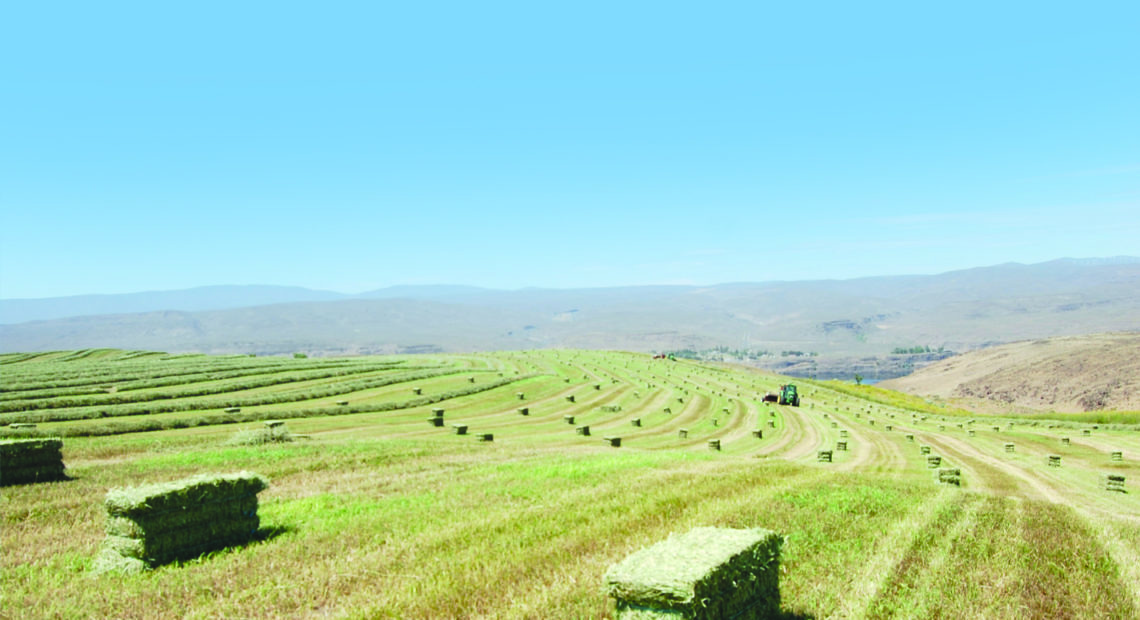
[373, 512]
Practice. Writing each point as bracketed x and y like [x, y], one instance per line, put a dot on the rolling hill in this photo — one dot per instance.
[958, 311]
[1068, 374]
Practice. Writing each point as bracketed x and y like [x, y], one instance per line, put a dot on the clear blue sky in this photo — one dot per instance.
[352, 146]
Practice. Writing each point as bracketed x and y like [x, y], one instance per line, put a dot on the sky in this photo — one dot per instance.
[352, 146]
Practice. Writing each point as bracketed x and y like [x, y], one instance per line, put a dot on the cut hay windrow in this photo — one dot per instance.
[156, 524]
[703, 574]
[31, 460]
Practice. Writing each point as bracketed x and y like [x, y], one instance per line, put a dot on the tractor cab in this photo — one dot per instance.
[789, 395]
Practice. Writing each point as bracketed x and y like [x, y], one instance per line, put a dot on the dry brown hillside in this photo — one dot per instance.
[1072, 373]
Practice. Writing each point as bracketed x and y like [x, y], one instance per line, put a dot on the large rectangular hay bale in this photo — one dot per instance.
[156, 524]
[703, 574]
[31, 460]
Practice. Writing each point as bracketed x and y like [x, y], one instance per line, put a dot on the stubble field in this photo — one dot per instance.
[372, 512]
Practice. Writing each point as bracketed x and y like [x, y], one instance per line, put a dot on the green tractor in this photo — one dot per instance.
[789, 396]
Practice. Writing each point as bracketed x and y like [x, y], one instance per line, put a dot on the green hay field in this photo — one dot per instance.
[373, 512]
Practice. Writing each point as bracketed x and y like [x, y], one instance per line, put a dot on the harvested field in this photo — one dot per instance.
[374, 513]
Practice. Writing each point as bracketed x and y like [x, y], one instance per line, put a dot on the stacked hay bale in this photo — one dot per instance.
[1117, 456]
[703, 574]
[947, 475]
[1114, 482]
[157, 524]
[30, 460]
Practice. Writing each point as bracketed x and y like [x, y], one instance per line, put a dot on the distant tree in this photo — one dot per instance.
[858, 379]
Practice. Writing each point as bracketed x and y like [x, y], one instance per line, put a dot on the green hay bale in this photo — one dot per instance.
[524, 410]
[583, 430]
[262, 436]
[1054, 460]
[947, 475]
[714, 444]
[933, 461]
[25, 461]
[635, 422]
[1065, 441]
[437, 412]
[704, 574]
[460, 429]
[824, 456]
[486, 437]
[1117, 457]
[683, 433]
[841, 446]
[568, 418]
[435, 421]
[160, 523]
[613, 441]
[1009, 447]
[924, 449]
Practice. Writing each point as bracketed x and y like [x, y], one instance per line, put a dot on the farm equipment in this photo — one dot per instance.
[789, 396]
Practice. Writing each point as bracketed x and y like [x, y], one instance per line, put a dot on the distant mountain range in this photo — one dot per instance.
[959, 310]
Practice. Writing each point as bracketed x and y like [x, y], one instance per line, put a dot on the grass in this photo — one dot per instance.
[379, 515]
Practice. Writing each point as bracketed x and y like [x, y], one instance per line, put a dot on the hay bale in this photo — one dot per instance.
[342, 402]
[417, 391]
[948, 475]
[970, 433]
[841, 446]
[910, 437]
[704, 574]
[771, 424]
[635, 422]
[924, 449]
[824, 456]
[570, 398]
[25, 461]
[157, 524]
[843, 433]
[835, 425]
[520, 395]
[714, 444]
[759, 434]
[568, 418]
[933, 461]
[274, 423]
[437, 412]
[613, 441]
[485, 437]
[1065, 441]
[460, 429]
[232, 410]
[1086, 433]
[435, 421]
[1114, 482]
[1054, 460]
[1009, 447]
[583, 430]
[262, 436]
[683, 433]
[1117, 457]
[524, 410]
